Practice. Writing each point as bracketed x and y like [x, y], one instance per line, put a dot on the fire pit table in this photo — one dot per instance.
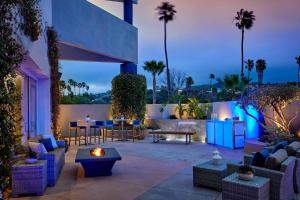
[100, 165]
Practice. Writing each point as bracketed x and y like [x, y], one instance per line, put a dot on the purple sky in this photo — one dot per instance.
[204, 40]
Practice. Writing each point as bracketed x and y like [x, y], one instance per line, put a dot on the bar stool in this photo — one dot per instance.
[98, 125]
[72, 127]
[109, 124]
[136, 128]
[85, 136]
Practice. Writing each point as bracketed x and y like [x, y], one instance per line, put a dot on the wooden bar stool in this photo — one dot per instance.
[109, 124]
[98, 125]
[136, 129]
[72, 127]
[85, 136]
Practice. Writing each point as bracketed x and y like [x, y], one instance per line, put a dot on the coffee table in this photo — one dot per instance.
[97, 166]
[236, 189]
[210, 175]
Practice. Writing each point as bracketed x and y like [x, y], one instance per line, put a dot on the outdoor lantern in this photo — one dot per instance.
[97, 152]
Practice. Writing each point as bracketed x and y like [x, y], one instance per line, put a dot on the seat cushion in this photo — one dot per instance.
[47, 143]
[293, 148]
[259, 158]
[274, 160]
[37, 148]
[279, 145]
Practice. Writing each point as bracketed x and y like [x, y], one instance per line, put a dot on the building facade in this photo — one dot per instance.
[86, 33]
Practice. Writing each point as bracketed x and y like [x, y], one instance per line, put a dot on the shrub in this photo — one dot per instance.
[129, 96]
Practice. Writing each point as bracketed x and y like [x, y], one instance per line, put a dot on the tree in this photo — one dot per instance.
[63, 87]
[276, 98]
[249, 65]
[244, 20]
[87, 88]
[260, 68]
[166, 13]
[211, 77]
[73, 84]
[298, 62]
[155, 68]
[177, 80]
[233, 87]
[188, 84]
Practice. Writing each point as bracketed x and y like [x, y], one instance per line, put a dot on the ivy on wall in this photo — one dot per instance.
[129, 96]
[53, 56]
[11, 56]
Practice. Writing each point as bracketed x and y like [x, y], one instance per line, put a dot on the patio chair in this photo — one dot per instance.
[109, 124]
[281, 182]
[72, 127]
[98, 125]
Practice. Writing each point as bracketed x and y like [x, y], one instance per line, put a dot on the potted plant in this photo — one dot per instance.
[246, 172]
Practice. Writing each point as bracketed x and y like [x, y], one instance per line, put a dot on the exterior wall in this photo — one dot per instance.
[87, 27]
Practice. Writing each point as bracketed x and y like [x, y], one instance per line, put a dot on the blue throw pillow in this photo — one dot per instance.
[259, 158]
[47, 143]
[280, 145]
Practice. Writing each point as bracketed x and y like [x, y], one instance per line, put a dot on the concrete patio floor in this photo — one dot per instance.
[147, 171]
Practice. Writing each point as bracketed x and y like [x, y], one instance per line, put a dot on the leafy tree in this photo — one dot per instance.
[244, 20]
[166, 13]
[260, 68]
[188, 84]
[249, 65]
[276, 98]
[298, 62]
[155, 68]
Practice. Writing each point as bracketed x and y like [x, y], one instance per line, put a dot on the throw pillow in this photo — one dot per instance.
[53, 141]
[259, 158]
[280, 145]
[48, 144]
[293, 148]
[37, 148]
[274, 160]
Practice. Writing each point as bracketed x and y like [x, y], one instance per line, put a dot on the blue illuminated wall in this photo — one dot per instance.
[252, 127]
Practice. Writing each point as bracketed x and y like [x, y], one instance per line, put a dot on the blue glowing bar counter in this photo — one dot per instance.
[228, 133]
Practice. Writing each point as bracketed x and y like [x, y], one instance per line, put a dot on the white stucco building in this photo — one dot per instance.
[86, 33]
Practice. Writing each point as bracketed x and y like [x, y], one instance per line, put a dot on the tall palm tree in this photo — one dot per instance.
[244, 20]
[298, 62]
[188, 84]
[73, 84]
[87, 88]
[211, 77]
[166, 13]
[155, 68]
[62, 87]
[249, 65]
[260, 68]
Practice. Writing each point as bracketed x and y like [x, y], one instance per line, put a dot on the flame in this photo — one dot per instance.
[97, 152]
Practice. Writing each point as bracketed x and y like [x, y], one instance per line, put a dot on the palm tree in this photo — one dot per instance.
[249, 65]
[155, 68]
[166, 13]
[87, 88]
[62, 87]
[188, 84]
[244, 20]
[298, 62]
[211, 77]
[69, 89]
[260, 68]
[73, 84]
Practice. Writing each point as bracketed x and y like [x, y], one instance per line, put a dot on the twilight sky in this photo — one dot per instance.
[203, 39]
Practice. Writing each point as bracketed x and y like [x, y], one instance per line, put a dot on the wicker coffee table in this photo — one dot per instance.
[29, 178]
[236, 189]
[210, 175]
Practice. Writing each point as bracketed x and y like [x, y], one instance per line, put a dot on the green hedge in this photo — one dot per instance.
[129, 96]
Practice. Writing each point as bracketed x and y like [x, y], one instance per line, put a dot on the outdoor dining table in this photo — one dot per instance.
[123, 136]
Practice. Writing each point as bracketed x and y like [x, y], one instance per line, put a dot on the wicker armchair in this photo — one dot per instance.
[56, 161]
[281, 187]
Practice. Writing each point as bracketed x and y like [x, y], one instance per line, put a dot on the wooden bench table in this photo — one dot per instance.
[157, 133]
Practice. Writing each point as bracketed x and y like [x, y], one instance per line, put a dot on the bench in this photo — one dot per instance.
[157, 133]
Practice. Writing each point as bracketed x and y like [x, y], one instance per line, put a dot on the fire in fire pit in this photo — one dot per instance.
[97, 152]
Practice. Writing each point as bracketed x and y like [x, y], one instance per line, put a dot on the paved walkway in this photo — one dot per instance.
[147, 171]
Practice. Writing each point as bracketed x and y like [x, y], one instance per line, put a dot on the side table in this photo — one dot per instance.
[210, 175]
[29, 178]
[235, 189]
